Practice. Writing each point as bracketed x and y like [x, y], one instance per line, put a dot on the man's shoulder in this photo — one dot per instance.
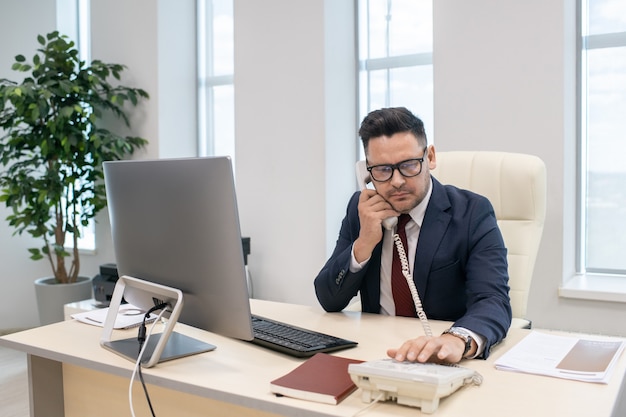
[354, 200]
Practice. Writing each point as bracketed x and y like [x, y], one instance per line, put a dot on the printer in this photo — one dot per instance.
[104, 284]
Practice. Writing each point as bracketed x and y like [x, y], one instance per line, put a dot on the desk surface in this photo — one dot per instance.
[238, 372]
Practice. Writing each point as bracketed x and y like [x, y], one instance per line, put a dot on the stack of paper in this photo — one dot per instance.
[583, 359]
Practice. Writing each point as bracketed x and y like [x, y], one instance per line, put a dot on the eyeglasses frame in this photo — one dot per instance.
[396, 166]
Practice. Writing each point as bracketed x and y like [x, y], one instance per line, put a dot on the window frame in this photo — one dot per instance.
[588, 285]
[587, 42]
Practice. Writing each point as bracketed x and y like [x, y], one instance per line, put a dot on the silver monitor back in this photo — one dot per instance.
[175, 222]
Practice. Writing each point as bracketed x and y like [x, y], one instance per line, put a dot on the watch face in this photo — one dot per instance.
[461, 332]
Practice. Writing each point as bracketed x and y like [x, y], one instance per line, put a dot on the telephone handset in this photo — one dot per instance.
[364, 179]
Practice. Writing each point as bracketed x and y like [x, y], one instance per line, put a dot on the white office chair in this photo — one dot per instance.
[515, 184]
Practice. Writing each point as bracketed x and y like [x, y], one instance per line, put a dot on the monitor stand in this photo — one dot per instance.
[177, 346]
[160, 347]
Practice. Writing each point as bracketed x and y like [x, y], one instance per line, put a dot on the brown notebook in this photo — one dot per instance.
[322, 378]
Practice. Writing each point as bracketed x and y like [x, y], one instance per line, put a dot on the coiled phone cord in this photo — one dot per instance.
[409, 280]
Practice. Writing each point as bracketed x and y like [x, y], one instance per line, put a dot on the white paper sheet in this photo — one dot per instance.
[587, 359]
[128, 316]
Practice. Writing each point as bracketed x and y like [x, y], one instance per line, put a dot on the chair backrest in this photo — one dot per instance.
[515, 184]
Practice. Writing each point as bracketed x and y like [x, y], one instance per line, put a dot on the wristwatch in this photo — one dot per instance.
[462, 334]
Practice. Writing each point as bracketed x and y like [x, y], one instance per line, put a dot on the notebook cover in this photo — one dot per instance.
[322, 378]
[590, 356]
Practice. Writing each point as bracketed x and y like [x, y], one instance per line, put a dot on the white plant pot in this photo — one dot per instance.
[52, 297]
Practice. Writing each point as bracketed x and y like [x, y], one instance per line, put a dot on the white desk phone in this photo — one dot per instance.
[414, 384]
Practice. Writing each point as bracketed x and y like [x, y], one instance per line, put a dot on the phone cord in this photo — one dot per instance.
[477, 378]
[409, 280]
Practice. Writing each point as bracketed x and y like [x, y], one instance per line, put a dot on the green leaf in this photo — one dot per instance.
[133, 97]
[35, 254]
[20, 58]
[66, 111]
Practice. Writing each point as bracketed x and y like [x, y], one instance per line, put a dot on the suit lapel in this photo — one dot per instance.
[436, 220]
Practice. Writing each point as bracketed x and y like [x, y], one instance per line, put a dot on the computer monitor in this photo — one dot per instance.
[175, 222]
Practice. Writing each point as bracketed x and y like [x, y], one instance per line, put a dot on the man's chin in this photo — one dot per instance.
[403, 206]
[402, 203]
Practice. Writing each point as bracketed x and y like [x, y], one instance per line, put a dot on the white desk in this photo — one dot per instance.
[234, 379]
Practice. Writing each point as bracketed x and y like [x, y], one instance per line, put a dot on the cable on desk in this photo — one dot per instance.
[370, 405]
[143, 343]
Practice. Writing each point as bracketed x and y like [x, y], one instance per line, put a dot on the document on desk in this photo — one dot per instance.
[128, 317]
[589, 359]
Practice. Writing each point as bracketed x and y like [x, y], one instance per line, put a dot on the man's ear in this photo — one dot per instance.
[432, 157]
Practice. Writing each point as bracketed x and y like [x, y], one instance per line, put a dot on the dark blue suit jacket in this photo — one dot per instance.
[460, 272]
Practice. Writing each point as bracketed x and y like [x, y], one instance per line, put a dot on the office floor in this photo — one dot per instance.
[13, 384]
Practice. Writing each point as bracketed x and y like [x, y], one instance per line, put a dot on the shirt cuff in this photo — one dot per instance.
[354, 265]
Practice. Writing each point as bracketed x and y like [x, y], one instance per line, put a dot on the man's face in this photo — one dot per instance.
[403, 193]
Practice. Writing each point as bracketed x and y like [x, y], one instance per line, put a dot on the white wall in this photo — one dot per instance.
[295, 127]
[19, 25]
[504, 80]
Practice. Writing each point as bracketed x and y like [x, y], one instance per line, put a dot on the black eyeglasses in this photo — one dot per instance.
[408, 168]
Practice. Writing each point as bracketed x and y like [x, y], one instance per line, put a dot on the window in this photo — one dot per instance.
[216, 66]
[395, 57]
[603, 132]
[73, 20]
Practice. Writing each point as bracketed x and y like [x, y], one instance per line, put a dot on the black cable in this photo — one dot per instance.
[155, 308]
[141, 337]
[145, 390]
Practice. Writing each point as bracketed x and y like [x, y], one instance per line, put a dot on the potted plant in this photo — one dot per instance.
[52, 145]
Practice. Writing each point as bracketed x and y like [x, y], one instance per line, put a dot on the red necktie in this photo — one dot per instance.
[399, 287]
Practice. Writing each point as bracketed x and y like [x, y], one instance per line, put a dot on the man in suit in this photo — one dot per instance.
[454, 248]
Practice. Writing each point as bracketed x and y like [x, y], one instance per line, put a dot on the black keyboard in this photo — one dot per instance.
[294, 341]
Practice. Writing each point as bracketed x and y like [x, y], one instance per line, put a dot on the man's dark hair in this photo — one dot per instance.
[388, 121]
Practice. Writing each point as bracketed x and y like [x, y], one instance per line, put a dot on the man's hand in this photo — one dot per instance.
[439, 349]
[373, 209]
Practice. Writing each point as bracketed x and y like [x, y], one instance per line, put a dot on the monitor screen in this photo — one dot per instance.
[175, 222]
